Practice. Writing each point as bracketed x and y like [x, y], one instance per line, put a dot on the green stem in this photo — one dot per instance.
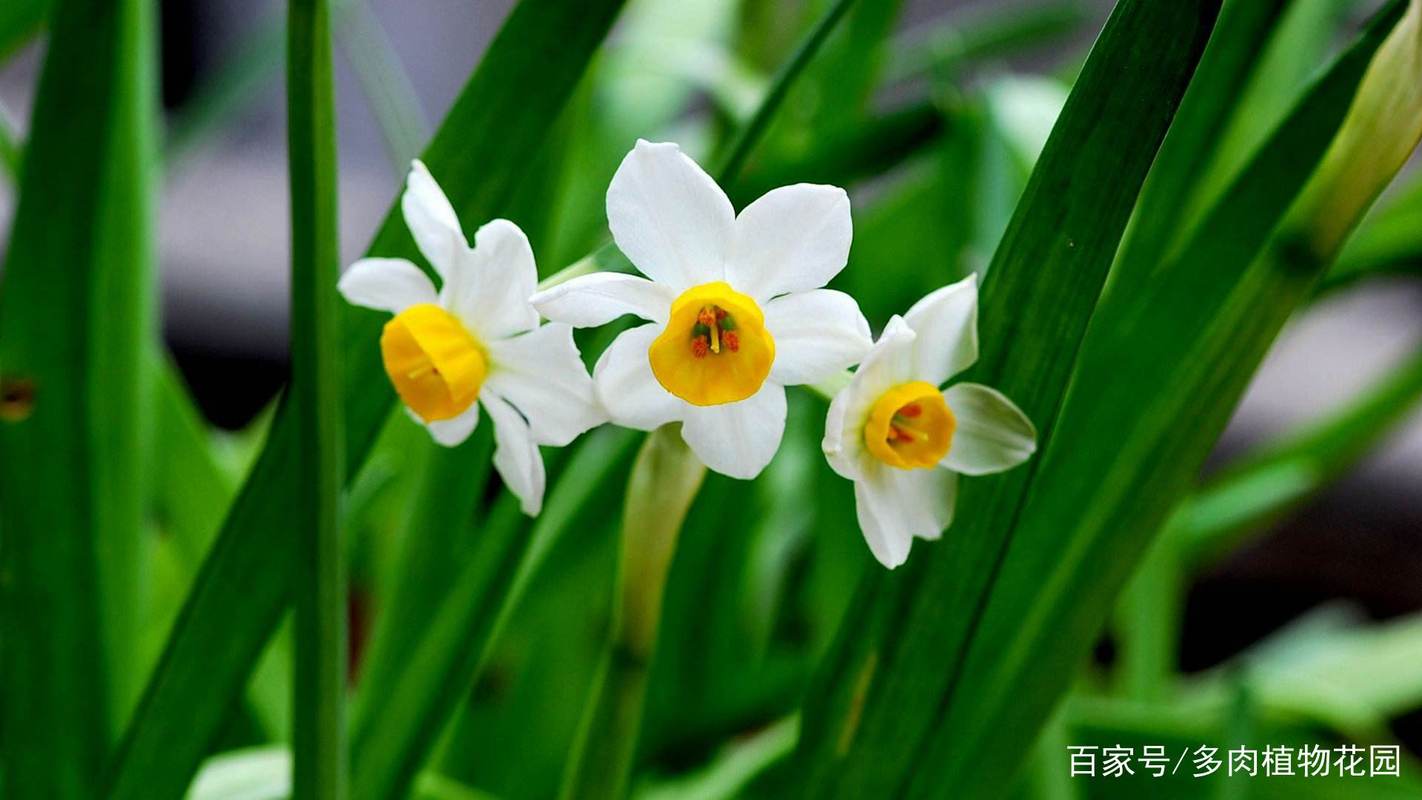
[318, 740]
[1148, 628]
[664, 481]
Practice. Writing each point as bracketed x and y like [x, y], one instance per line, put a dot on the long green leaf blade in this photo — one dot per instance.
[245, 582]
[1194, 333]
[395, 722]
[19, 20]
[318, 713]
[877, 693]
[1265, 484]
[76, 322]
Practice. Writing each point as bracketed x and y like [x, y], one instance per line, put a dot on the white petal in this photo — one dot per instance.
[946, 322]
[817, 334]
[887, 365]
[792, 239]
[452, 432]
[889, 362]
[895, 505]
[669, 217]
[489, 286]
[738, 439]
[626, 387]
[432, 220]
[516, 455]
[992, 435]
[602, 297]
[386, 284]
[542, 375]
[843, 444]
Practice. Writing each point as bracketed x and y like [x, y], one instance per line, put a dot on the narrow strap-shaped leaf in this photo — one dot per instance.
[244, 586]
[19, 20]
[1211, 101]
[1195, 334]
[1193, 137]
[318, 702]
[76, 320]
[395, 722]
[749, 134]
[1280, 475]
[878, 691]
[388, 91]
[1388, 243]
[992, 33]
[1242, 500]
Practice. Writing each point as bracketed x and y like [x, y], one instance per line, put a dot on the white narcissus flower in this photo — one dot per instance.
[735, 304]
[476, 342]
[903, 441]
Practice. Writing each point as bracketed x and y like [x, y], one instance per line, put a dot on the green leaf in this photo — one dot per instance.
[387, 88]
[734, 158]
[1388, 243]
[20, 20]
[876, 697]
[1213, 96]
[732, 770]
[246, 581]
[1194, 333]
[1265, 484]
[1328, 668]
[865, 150]
[1288, 59]
[319, 699]
[76, 322]
[237, 82]
[191, 491]
[985, 35]
[1149, 608]
[398, 715]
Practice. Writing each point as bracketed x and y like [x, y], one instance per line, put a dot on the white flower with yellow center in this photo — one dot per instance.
[735, 302]
[476, 342]
[903, 441]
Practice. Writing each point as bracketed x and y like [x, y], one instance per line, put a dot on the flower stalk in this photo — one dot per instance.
[664, 481]
[319, 716]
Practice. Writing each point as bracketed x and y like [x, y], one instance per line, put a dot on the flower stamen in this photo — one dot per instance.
[910, 426]
[730, 349]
